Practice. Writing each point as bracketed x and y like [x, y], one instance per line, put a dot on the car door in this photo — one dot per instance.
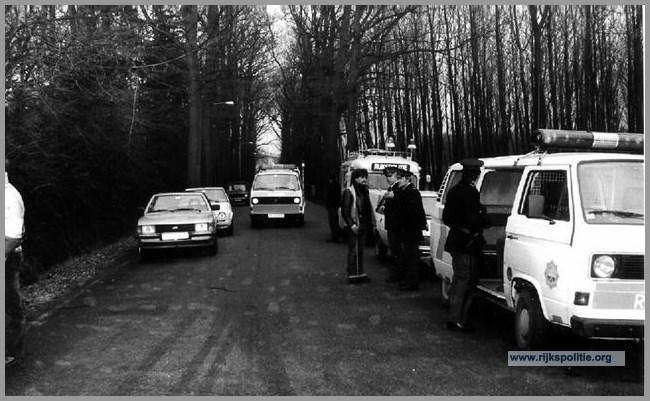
[539, 234]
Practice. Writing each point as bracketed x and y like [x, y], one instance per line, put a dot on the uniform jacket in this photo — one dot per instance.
[411, 216]
[465, 217]
[391, 222]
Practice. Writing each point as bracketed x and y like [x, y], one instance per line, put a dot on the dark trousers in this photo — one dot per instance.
[396, 269]
[333, 219]
[410, 258]
[462, 285]
[14, 316]
[356, 243]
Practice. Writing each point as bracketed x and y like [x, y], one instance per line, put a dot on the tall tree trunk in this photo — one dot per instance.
[195, 140]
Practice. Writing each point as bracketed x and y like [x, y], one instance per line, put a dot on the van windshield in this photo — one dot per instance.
[612, 192]
[277, 182]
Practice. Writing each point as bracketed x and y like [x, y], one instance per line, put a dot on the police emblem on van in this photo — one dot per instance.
[551, 274]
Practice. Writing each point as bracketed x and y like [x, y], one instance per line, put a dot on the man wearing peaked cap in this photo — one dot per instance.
[404, 173]
[466, 219]
[470, 164]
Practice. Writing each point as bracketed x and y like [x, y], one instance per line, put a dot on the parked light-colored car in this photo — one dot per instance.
[177, 220]
[220, 205]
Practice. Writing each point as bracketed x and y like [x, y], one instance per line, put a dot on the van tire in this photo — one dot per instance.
[531, 328]
[445, 291]
[381, 251]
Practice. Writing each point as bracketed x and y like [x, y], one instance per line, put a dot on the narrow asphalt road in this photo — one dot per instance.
[272, 314]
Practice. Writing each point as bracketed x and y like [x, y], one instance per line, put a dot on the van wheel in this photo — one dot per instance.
[301, 220]
[231, 229]
[381, 251]
[445, 291]
[531, 328]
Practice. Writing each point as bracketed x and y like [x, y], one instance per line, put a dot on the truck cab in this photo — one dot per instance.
[567, 243]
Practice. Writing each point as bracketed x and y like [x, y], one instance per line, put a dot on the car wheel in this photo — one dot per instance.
[301, 220]
[145, 254]
[214, 248]
[381, 251]
[445, 291]
[531, 328]
[231, 229]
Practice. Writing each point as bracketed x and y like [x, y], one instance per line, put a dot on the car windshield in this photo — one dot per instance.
[272, 182]
[216, 195]
[176, 202]
[612, 192]
[238, 187]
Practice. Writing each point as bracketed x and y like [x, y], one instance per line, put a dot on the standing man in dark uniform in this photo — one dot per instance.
[333, 203]
[412, 220]
[466, 219]
[388, 206]
[358, 215]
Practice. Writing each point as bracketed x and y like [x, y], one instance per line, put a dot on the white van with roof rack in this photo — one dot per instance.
[277, 193]
[567, 242]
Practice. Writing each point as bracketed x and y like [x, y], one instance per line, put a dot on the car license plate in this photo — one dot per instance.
[174, 236]
[276, 216]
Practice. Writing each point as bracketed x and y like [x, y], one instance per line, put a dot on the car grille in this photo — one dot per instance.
[631, 267]
[166, 228]
[276, 200]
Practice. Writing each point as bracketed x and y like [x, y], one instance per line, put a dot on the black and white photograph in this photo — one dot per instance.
[332, 200]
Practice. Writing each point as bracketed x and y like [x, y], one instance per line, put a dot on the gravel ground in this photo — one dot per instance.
[66, 279]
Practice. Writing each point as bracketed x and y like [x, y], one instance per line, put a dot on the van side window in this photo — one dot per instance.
[547, 196]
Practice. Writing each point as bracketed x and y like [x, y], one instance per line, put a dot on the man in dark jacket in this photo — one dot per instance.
[412, 220]
[333, 203]
[466, 218]
[358, 215]
[388, 206]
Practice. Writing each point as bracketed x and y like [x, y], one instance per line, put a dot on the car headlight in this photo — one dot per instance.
[296, 200]
[255, 201]
[146, 230]
[221, 215]
[201, 227]
[603, 266]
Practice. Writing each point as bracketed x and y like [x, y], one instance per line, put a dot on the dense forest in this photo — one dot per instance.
[105, 105]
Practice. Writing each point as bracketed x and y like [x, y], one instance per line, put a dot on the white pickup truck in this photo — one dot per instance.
[567, 242]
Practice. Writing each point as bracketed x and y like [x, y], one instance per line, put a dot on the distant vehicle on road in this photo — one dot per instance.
[177, 220]
[220, 205]
[237, 192]
[277, 193]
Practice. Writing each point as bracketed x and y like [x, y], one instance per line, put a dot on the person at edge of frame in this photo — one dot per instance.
[14, 233]
[412, 220]
[358, 215]
[388, 206]
[466, 219]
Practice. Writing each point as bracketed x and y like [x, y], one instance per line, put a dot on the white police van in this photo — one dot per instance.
[277, 193]
[567, 242]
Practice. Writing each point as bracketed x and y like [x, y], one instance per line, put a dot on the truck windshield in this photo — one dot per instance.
[272, 182]
[612, 192]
